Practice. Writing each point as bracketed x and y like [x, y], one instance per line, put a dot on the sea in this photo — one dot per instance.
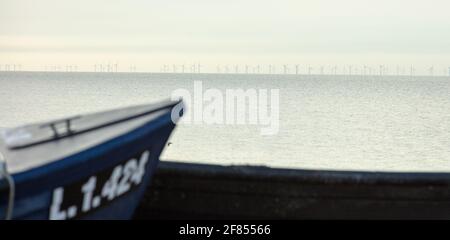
[369, 123]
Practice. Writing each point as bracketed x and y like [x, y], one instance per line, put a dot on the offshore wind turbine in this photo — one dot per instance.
[246, 69]
[431, 69]
[296, 69]
[236, 69]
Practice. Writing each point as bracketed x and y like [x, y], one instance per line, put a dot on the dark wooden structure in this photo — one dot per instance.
[200, 191]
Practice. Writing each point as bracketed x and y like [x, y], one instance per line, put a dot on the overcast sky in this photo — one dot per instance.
[149, 33]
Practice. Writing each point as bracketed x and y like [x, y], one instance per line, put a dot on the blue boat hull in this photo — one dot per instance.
[106, 181]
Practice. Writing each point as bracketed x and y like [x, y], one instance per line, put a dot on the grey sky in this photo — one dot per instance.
[151, 33]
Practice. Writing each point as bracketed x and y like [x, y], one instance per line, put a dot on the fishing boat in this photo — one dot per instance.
[93, 166]
[207, 191]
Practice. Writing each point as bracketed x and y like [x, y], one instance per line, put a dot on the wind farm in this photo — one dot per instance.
[254, 69]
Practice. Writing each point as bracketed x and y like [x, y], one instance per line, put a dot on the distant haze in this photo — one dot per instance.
[149, 34]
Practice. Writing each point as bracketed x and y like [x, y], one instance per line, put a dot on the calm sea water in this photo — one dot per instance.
[326, 122]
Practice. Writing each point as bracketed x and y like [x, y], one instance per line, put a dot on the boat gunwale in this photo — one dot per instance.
[163, 105]
[258, 172]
